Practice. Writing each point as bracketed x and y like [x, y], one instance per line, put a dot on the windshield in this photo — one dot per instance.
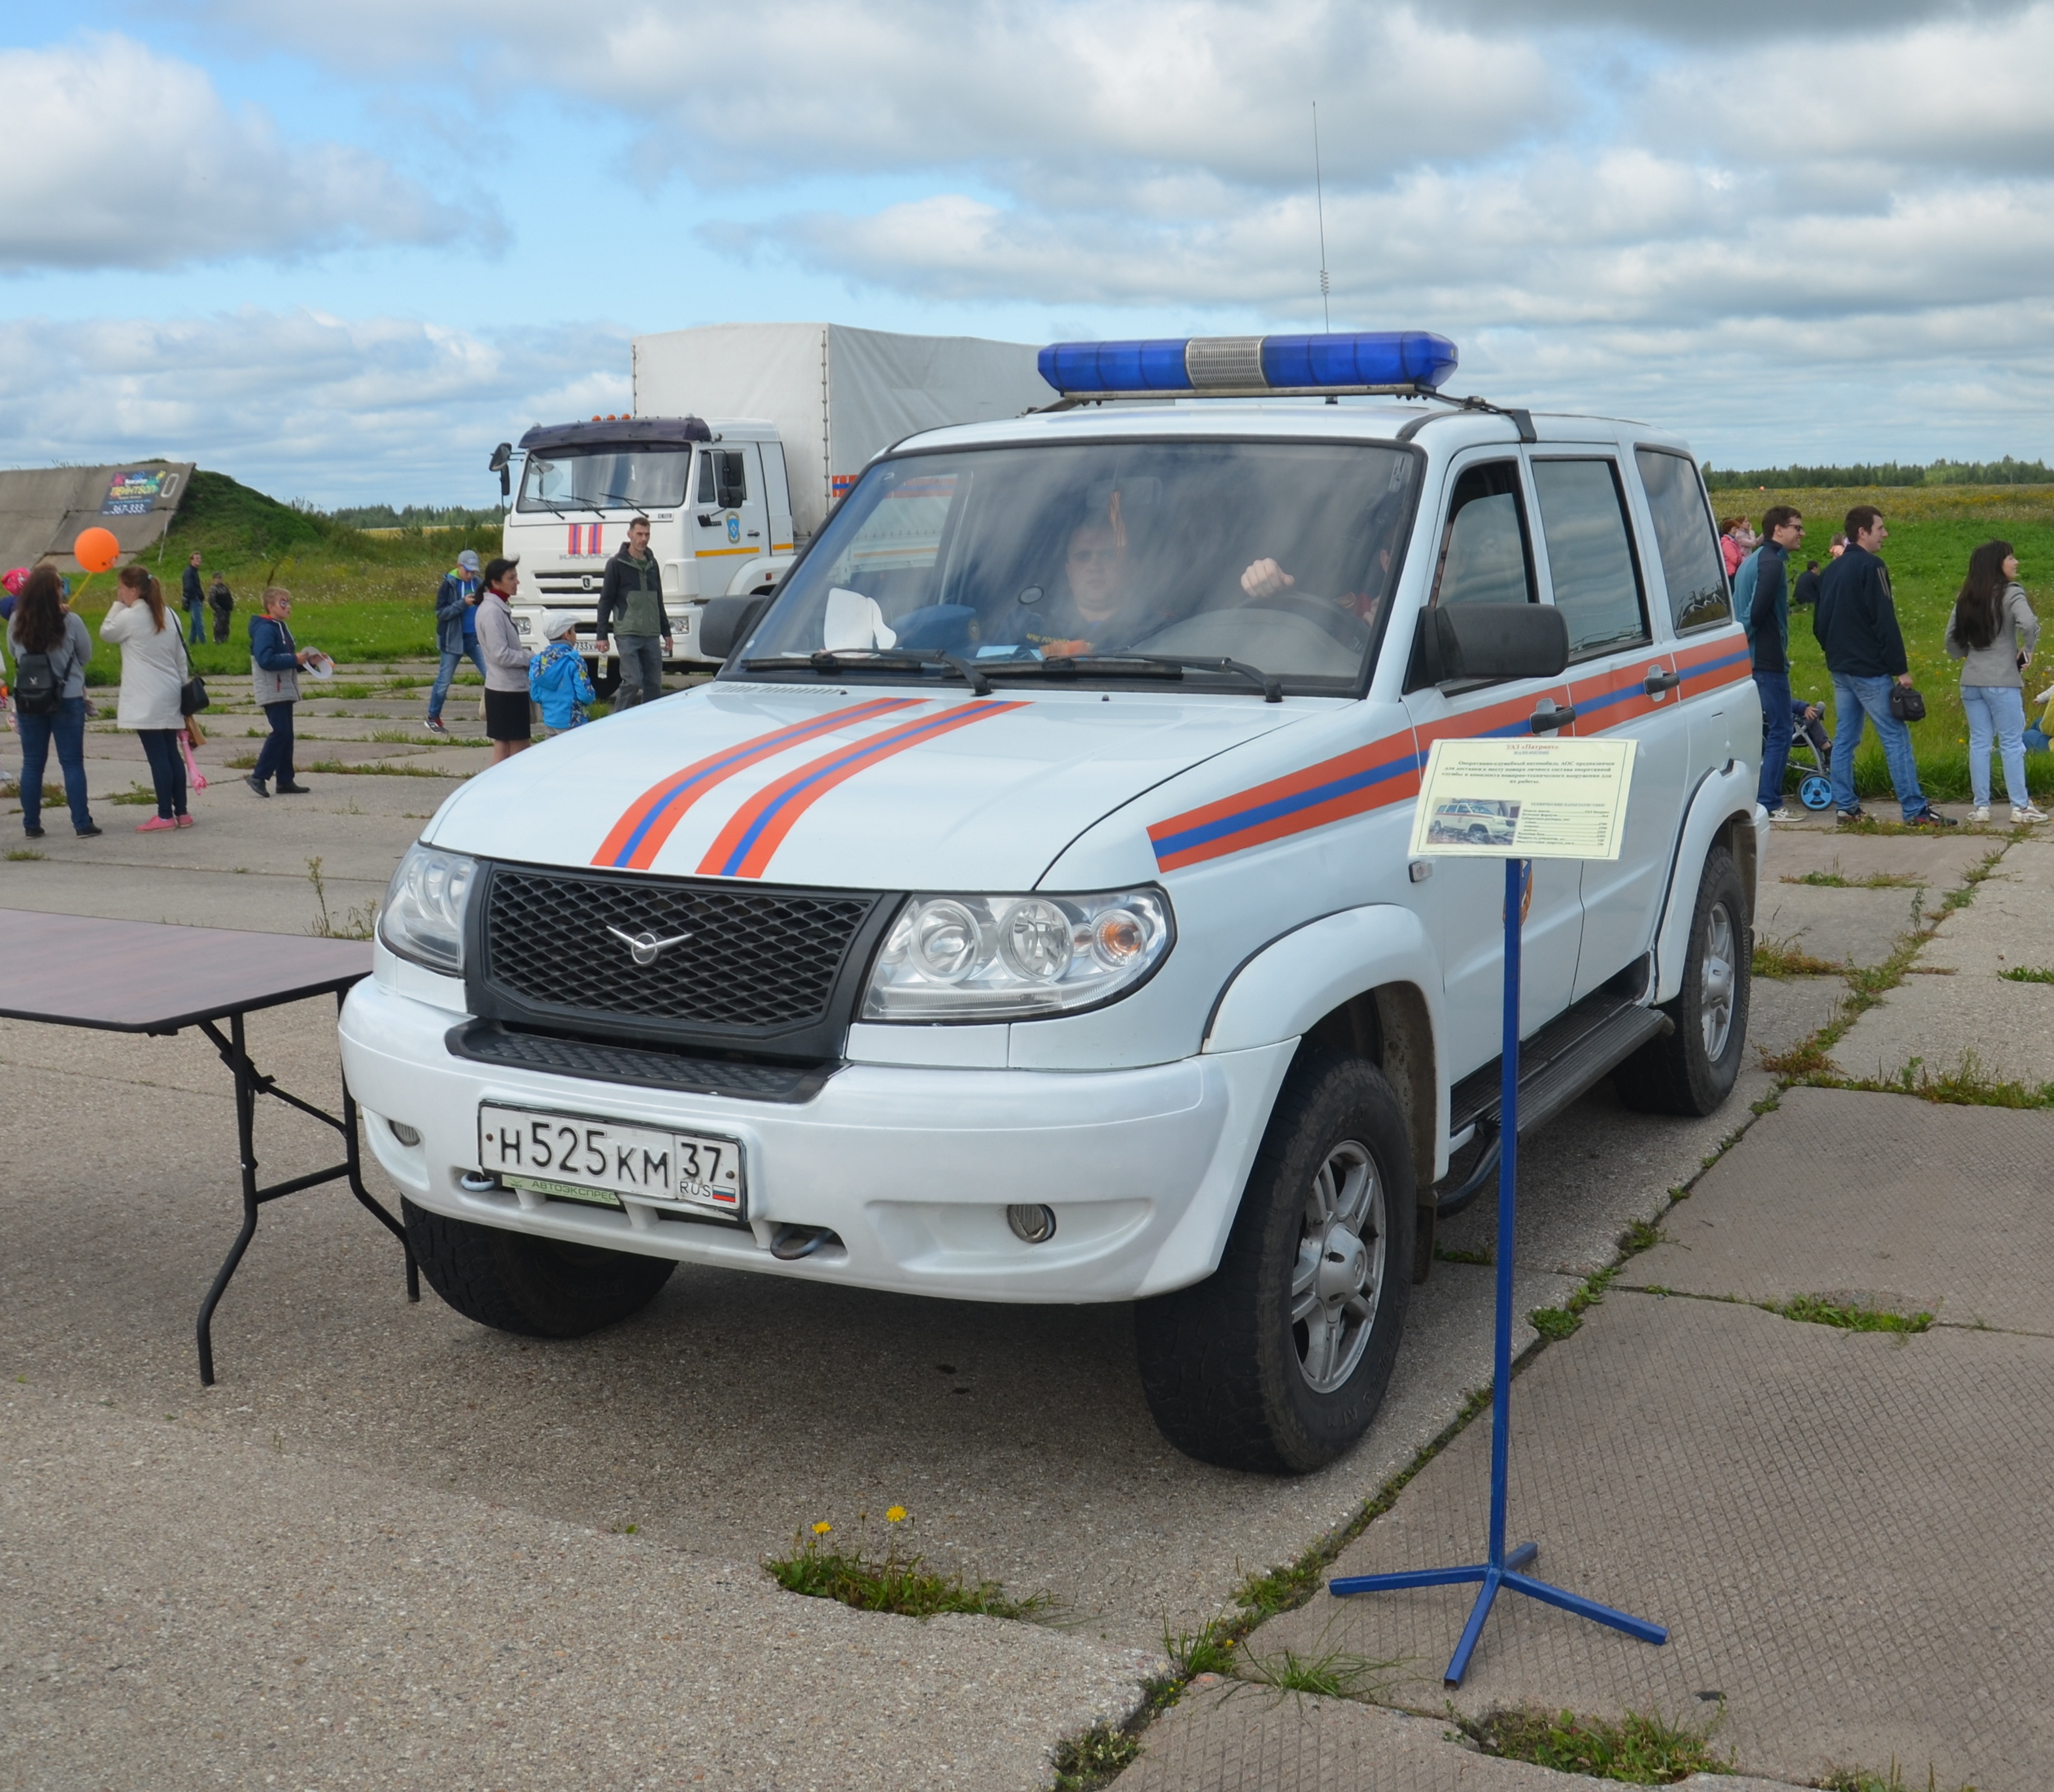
[1279, 555]
[609, 478]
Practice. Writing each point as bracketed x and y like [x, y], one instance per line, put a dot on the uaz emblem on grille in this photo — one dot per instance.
[646, 949]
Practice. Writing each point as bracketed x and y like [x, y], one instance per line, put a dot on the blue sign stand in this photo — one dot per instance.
[1501, 1568]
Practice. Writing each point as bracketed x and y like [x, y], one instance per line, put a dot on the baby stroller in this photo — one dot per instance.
[1809, 746]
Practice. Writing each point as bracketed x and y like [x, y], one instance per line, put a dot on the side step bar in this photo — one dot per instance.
[1567, 1057]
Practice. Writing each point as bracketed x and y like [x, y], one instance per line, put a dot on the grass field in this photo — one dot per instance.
[1933, 529]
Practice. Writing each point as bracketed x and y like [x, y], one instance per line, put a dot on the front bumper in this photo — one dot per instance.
[911, 1168]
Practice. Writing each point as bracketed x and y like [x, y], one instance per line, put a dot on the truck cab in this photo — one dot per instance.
[715, 495]
[1026, 912]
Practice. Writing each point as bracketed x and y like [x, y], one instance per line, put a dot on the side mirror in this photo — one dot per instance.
[725, 622]
[733, 486]
[502, 456]
[1492, 641]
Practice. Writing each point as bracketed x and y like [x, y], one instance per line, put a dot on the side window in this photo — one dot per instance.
[1484, 555]
[1590, 554]
[723, 478]
[708, 492]
[1687, 541]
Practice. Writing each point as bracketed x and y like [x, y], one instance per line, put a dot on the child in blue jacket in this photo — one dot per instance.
[556, 676]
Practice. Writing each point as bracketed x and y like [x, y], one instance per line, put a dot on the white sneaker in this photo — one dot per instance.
[2026, 815]
[1981, 812]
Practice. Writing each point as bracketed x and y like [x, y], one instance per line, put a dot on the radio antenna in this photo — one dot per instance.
[1320, 198]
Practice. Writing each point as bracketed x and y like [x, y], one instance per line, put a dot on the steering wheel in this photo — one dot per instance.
[1344, 626]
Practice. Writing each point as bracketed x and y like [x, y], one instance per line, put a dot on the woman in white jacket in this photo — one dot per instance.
[153, 675]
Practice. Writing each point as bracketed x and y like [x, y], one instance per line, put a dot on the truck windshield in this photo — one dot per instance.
[605, 479]
[1279, 554]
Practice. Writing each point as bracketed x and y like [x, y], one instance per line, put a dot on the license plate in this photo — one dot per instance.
[580, 1158]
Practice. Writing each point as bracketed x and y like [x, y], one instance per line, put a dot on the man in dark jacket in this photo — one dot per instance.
[456, 632]
[221, 600]
[631, 600]
[195, 599]
[1769, 636]
[1856, 624]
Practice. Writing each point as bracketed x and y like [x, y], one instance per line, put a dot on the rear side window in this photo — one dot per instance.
[1687, 540]
[1590, 554]
[1484, 555]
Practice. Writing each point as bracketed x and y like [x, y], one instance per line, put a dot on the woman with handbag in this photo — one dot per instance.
[1993, 633]
[153, 678]
[51, 649]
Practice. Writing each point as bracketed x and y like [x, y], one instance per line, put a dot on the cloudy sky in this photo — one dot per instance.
[341, 249]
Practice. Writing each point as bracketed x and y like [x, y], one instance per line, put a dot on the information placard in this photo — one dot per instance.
[1523, 799]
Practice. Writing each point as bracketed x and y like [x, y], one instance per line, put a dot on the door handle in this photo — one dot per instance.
[1660, 679]
[1548, 715]
[755, 534]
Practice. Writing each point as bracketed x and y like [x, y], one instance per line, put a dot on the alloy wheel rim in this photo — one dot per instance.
[1337, 1282]
[1716, 983]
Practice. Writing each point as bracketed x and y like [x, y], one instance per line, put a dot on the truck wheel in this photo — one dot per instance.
[535, 1287]
[1692, 1070]
[1277, 1362]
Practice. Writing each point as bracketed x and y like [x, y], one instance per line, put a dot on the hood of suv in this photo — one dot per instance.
[866, 788]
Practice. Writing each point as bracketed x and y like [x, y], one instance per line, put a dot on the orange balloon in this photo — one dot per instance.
[95, 549]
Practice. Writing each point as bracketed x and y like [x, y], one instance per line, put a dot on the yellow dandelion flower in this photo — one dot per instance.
[896, 1515]
[822, 1528]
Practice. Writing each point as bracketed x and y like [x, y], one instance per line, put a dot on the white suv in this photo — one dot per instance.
[1025, 912]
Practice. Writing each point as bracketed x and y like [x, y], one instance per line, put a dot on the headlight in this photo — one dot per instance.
[1016, 958]
[423, 918]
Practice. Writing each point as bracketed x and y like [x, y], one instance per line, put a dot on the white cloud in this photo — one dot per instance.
[299, 403]
[119, 157]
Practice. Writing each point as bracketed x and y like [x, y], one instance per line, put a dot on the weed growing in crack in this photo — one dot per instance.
[1443, 1254]
[2028, 973]
[1642, 1748]
[1781, 958]
[1207, 1650]
[1816, 1309]
[1553, 1323]
[1860, 1779]
[1331, 1674]
[895, 1581]
[1879, 880]
[1084, 1763]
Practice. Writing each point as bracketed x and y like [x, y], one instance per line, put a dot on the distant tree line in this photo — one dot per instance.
[413, 516]
[2005, 472]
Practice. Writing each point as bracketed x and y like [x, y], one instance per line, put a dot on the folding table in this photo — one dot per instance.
[140, 977]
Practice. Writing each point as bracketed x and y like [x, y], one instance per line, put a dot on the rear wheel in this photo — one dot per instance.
[536, 1288]
[1694, 1070]
[1277, 1362]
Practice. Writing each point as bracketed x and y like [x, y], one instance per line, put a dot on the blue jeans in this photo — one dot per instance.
[1998, 709]
[276, 754]
[450, 661]
[196, 613]
[167, 769]
[1775, 689]
[1854, 698]
[67, 730]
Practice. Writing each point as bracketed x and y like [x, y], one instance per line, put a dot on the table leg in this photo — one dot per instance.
[246, 1136]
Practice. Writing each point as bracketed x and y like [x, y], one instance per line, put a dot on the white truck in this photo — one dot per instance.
[743, 437]
[1027, 913]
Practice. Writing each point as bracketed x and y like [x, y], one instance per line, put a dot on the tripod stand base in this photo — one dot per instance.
[1492, 1577]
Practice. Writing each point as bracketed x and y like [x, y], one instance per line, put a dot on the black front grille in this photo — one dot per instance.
[754, 965]
[487, 1041]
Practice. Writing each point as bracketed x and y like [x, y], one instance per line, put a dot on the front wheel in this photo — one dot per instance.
[1277, 1362]
[1694, 1070]
[534, 1287]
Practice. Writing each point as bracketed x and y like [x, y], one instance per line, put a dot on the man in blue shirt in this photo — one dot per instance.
[1856, 625]
[456, 632]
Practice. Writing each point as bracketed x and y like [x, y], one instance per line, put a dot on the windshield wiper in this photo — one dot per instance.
[831, 664]
[1158, 666]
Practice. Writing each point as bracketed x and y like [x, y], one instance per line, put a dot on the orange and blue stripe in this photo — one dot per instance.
[639, 835]
[754, 832]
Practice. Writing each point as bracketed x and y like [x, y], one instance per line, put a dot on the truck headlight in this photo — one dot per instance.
[1016, 958]
[423, 915]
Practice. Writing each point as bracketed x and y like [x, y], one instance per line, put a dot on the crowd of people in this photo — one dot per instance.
[1992, 630]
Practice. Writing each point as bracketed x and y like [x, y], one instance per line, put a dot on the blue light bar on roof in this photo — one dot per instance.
[1246, 365]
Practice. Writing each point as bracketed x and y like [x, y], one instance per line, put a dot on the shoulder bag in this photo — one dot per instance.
[192, 693]
[1905, 704]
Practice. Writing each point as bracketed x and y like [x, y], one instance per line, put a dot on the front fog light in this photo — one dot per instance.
[403, 1133]
[1016, 958]
[1032, 1225]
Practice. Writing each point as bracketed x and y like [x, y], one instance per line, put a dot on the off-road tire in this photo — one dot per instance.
[1678, 1075]
[1220, 1362]
[534, 1287]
